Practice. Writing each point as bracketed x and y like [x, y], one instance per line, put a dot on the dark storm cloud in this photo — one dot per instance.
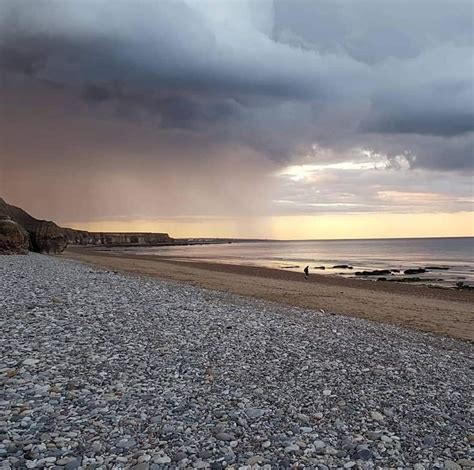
[176, 111]
[367, 66]
[147, 86]
[24, 59]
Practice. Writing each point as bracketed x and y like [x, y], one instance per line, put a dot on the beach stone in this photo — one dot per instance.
[304, 418]
[429, 441]
[127, 443]
[205, 454]
[376, 415]
[374, 435]
[201, 464]
[292, 448]
[31, 362]
[256, 459]
[229, 456]
[72, 464]
[179, 456]
[224, 436]
[319, 445]
[141, 466]
[466, 463]
[348, 444]
[96, 446]
[254, 412]
[450, 465]
[364, 454]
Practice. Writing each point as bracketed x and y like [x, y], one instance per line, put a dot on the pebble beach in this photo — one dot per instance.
[103, 370]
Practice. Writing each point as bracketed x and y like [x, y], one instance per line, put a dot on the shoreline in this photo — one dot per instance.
[439, 311]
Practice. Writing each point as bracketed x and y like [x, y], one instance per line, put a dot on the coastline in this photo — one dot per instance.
[439, 311]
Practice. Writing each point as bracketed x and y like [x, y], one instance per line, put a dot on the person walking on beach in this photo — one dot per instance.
[306, 272]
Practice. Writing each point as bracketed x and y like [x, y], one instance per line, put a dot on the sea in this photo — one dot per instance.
[400, 254]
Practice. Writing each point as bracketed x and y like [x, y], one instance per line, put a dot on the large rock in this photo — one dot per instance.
[47, 237]
[44, 236]
[13, 238]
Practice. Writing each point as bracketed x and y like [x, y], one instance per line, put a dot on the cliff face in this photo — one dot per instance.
[117, 238]
[13, 238]
[43, 236]
[18, 215]
[47, 237]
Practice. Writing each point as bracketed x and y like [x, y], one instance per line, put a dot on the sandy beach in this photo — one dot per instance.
[439, 311]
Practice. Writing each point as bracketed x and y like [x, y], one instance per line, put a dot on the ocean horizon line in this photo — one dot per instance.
[276, 240]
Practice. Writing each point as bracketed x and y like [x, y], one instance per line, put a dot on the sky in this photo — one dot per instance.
[240, 118]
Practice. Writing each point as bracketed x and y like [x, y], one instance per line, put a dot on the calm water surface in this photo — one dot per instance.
[455, 253]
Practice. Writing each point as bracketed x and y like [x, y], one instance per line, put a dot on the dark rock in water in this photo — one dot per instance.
[381, 279]
[376, 272]
[438, 268]
[13, 238]
[414, 271]
[342, 266]
[414, 279]
[319, 267]
[461, 286]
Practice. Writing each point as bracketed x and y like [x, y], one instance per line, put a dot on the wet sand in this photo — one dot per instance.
[440, 311]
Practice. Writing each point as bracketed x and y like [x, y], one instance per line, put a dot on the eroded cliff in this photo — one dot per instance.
[20, 229]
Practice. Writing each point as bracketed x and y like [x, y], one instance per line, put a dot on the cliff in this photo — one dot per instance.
[13, 238]
[45, 236]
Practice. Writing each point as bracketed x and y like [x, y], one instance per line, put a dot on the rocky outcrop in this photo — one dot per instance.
[13, 238]
[375, 272]
[76, 237]
[414, 271]
[47, 237]
[42, 236]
